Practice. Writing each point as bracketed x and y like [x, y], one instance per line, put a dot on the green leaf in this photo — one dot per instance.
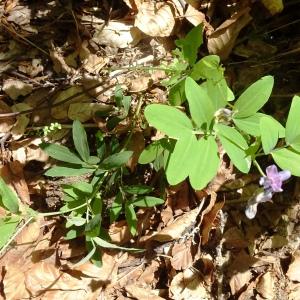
[8, 197]
[104, 244]
[131, 218]
[269, 134]
[80, 140]
[182, 159]
[147, 201]
[191, 43]
[61, 153]
[93, 160]
[116, 208]
[251, 124]
[292, 131]
[235, 146]
[86, 258]
[219, 93]
[118, 95]
[208, 67]
[76, 221]
[254, 97]
[116, 160]
[151, 152]
[83, 187]
[201, 108]
[61, 171]
[206, 163]
[7, 228]
[137, 189]
[176, 93]
[169, 120]
[92, 228]
[287, 159]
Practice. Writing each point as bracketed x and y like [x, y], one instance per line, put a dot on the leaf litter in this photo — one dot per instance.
[56, 62]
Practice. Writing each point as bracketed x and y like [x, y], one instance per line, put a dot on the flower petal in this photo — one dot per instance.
[285, 175]
[271, 171]
[251, 210]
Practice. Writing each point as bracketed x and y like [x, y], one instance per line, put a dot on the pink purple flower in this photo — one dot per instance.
[272, 183]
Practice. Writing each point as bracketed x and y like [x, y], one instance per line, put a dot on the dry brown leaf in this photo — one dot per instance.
[44, 276]
[155, 19]
[208, 221]
[176, 230]
[61, 111]
[294, 292]
[117, 35]
[239, 272]
[266, 286]
[181, 255]
[293, 272]
[59, 63]
[5, 124]
[119, 232]
[188, 285]
[234, 238]
[15, 88]
[142, 293]
[149, 276]
[13, 175]
[222, 40]
[139, 84]
[19, 127]
[14, 283]
[137, 145]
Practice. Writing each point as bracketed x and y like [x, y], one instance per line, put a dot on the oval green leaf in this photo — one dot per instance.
[201, 107]
[206, 163]
[292, 131]
[169, 120]
[8, 197]
[182, 159]
[269, 134]
[254, 97]
[287, 159]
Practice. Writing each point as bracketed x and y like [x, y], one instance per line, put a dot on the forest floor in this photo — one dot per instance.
[61, 61]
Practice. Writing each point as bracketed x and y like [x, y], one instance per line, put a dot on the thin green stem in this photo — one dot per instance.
[259, 168]
[15, 235]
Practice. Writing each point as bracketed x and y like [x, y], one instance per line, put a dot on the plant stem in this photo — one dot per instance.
[259, 168]
[15, 235]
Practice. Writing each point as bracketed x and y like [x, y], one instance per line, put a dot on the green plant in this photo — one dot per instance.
[191, 146]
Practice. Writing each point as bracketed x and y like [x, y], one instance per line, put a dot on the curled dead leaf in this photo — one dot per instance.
[181, 255]
[293, 272]
[175, 230]
[7, 123]
[155, 19]
[222, 40]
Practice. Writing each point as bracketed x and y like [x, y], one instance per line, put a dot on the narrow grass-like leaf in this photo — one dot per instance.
[80, 140]
[86, 258]
[60, 171]
[116, 208]
[206, 163]
[116, 160]
[292, 131]
[137, 189]
[8, 198]
[182, 159]
[269, 134]
[147, 201]
[131, 218]
[287, 159]
[254, 97]
[169, 120]
[61, 153]
[104, 244]
[201, 107]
